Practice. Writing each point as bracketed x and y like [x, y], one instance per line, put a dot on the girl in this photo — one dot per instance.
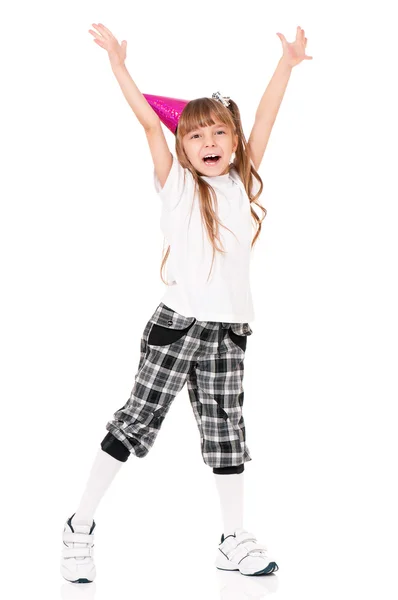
[198, 332]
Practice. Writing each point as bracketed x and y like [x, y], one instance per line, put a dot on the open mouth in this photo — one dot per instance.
[212, 159]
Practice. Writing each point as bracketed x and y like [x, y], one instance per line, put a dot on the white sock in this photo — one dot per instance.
[102, 473]
[230, 489]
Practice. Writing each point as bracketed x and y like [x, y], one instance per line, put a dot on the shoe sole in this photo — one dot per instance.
[80, 580]
[266, 571]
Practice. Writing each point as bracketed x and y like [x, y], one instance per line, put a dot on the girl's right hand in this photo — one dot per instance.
[104, 38]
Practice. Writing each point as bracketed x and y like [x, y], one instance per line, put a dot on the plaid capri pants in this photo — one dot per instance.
[209, 357]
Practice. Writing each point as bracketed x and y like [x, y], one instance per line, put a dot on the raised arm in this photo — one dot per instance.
[160, 152]
[293, 54]
[161, 155]
[267, 111]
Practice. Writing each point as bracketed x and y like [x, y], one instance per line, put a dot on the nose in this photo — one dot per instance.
[209, 139]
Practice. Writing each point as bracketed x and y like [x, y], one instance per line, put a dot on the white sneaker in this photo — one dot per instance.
[240, 551]
[77, 564]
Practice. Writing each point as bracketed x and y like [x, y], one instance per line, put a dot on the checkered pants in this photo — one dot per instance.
[208, 356]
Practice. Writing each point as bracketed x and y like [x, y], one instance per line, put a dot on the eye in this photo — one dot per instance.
[196, 134]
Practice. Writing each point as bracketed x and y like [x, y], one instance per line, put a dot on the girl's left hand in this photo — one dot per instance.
[294, 52]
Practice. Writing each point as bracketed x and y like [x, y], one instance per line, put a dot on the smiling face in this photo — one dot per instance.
[215, 140]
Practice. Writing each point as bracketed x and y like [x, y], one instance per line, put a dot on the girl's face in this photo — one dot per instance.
[211, 140]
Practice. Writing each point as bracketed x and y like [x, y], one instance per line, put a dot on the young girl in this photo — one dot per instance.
[198, 332]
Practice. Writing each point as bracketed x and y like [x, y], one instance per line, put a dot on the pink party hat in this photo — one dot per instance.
[168, 109]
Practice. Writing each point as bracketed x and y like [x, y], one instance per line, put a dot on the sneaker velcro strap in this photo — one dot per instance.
[245, 536]
[243, 550]
[79, 538]
[228, 545]
[231, 542]
[76, 552]
[257, 548]
[236, 554]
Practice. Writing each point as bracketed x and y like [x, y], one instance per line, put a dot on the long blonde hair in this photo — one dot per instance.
[198, 113]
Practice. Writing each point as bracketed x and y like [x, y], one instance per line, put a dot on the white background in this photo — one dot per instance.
[81, 248]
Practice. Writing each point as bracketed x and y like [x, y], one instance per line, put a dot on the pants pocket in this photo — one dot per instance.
[164, 336]
[239, 340]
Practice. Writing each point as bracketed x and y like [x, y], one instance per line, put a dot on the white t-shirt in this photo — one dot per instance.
[226, 296]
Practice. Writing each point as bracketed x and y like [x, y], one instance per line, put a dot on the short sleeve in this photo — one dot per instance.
[175, 185]
[235, 175]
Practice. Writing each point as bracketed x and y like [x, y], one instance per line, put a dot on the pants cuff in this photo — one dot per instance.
[115, 447]
[228, 470]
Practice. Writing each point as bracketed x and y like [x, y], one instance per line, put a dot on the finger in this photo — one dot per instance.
[96, 27]
[96, 34]
[101, 40]
[100, 43]
[101, 31]
[101, 36]
[105, 29]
